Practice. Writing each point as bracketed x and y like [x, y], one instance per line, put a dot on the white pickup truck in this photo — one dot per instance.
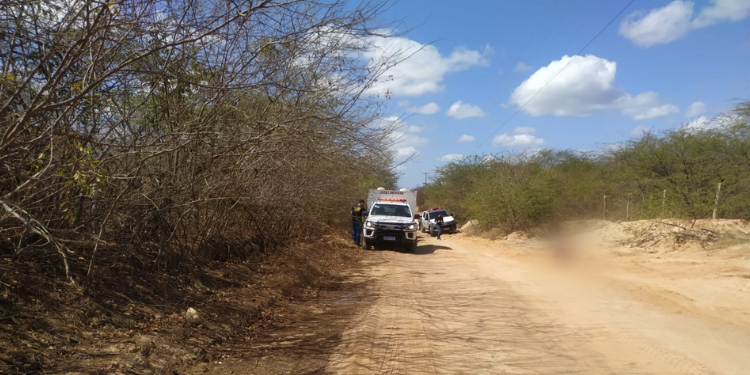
[427, 221]
[389, 221]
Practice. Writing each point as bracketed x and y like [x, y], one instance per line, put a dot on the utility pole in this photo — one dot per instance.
[716, 202]
[425, 177]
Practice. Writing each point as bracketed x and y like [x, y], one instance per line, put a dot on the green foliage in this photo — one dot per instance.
[520, 191]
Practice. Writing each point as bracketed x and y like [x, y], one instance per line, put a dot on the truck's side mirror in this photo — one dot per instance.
[417, 216]
[365, 213]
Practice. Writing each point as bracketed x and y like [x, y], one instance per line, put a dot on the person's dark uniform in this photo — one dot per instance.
[439, 225]
[357, 221]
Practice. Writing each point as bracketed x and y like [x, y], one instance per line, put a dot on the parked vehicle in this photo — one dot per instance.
[427, 221]
[409, 197]
[390, 220]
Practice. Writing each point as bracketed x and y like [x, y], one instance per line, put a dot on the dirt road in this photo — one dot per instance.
[461, 307]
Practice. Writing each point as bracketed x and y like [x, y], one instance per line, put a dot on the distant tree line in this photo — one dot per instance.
[169, 131]
[674, 174]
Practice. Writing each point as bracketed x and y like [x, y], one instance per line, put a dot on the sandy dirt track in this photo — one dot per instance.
[460, 306]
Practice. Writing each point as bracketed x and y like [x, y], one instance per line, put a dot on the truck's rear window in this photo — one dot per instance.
[391, 210]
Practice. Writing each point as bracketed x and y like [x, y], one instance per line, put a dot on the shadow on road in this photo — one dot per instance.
[422, 249]
[427, 249]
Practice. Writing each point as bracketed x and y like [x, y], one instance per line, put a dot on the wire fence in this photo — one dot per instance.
[666, 204]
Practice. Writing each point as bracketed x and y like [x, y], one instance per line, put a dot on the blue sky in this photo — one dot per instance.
[660, 65]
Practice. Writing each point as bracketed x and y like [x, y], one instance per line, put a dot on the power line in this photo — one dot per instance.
[532, 38]
[553, 77]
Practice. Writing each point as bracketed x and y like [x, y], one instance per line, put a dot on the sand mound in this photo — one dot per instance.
[658, 234]
[517, 236]
[643, 236]
[655, 234]
[469, 224]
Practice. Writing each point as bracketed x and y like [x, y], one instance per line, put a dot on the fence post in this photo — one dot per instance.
[627, 210]
[716, 202]
[663, 202]
[605, 207]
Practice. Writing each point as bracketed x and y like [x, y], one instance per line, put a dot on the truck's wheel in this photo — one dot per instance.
[433, 233]
[412, 248]
[366, 245]
[421, 228]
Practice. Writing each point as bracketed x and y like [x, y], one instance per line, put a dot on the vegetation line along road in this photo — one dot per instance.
[674, 174]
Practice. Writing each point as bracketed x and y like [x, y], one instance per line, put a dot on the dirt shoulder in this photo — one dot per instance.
[703, 271]
[299, 335]
[277, 314]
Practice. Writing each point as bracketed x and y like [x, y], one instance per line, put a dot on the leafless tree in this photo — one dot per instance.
[176, 129]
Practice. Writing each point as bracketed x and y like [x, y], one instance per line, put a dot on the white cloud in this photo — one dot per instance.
[396, 65]
[486, 159]
[675, 20]
[519, 137]
[403, 138]
[661, 25]
[645, 107]
[409, 138]
[403, 103]
[638, 130]
[422, 69]
[614, 147]
[702, 122]
[488, 50]
[427, 109]
[585, 86]
[521, 67]
[461, 110]
[405, 152]
[466, 138]
[722, 10]
[511, 140]
[696, 109]
[705, 123]
[392, 122]
[451, 157]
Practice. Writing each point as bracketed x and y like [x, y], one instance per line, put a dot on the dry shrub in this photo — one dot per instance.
[159, 134]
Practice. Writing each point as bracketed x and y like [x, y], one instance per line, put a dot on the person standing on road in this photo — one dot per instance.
[439, 225]
[357, 211]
